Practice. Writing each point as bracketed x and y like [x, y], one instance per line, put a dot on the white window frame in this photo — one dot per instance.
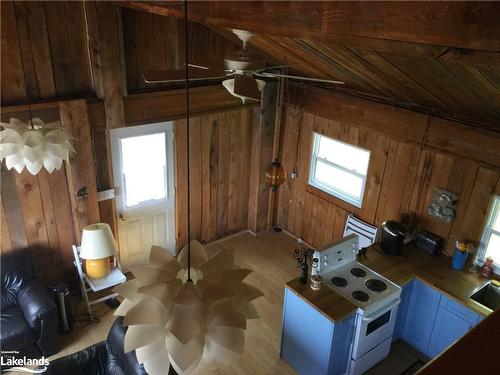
[488, 230]
[351, 199]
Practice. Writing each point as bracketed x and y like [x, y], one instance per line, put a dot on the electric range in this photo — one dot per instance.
[376, 297]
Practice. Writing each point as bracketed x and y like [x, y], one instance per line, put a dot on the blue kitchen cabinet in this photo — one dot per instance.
[312, 343]
[422, 311]
[448, 328]
[402, 310]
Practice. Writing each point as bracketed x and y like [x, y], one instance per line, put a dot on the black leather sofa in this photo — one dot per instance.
[104, 358]
[29, 322]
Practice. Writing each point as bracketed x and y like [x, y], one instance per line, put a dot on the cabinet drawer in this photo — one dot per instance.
[459, 309]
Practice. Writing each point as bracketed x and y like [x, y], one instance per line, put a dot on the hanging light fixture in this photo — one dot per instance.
[33, 145]
[275, 175]
[185, 310]
[180, 311]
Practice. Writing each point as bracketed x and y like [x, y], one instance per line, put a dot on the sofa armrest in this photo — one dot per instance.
[36, 304]
[91, 361]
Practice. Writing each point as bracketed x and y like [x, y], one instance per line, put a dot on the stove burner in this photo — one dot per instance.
[360, 296]
[376, 285]
[339, 281]
[358, 272]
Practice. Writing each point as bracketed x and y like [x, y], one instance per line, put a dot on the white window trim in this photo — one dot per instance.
[488, 230]
[353, 200]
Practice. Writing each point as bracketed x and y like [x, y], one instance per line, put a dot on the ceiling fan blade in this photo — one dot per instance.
[206, 64]
[274, 67]
[165, 76]
[246, 86]
[277, 75]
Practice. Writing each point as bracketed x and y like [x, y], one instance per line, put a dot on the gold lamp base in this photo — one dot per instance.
[97, 268]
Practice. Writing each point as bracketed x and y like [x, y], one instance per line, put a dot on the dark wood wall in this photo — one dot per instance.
[403, 171]
[44, 51]
[153, 42]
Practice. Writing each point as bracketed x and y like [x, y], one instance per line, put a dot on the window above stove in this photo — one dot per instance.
[339, 169]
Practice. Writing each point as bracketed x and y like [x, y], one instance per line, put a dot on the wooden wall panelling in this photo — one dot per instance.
[401, 179]
[13, 211]
[464, 174]
[480, 145]
[28, 66]
[223, 172]
[13, 86]
[109, 82]
[81, 169]
[209, 163]
[477, 208]
[262, 153]
[290, 127]
[157, 43]
[375, 117]
[41, 51]
[195, 177]
[219, 176]
[181, 176]
[246, 134]
[68, 48]
[5, 242]
[28, 192]
[169, 105]
[236, 173]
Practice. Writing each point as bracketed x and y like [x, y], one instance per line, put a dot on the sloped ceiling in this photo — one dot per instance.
[439, 58]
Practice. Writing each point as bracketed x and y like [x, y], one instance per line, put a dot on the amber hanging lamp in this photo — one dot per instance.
[275, 175]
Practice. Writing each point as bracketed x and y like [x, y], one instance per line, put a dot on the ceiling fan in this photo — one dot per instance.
[243, 73]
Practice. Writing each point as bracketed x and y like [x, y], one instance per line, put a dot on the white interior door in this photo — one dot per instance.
[144, 187]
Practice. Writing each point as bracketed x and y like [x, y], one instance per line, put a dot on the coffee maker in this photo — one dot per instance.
[392, 237]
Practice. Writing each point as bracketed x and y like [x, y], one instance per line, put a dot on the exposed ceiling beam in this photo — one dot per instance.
[470, 25]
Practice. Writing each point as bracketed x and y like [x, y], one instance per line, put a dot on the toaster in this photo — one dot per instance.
[429, 242]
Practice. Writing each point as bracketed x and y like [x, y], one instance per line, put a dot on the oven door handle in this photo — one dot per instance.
[383, 309]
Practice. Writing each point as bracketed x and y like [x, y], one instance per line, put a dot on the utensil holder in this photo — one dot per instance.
[459, 259]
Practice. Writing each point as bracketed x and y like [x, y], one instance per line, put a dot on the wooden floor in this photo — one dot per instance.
[270, 256]
[402, 360]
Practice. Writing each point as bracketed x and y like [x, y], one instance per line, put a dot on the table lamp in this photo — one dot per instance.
[98, 244]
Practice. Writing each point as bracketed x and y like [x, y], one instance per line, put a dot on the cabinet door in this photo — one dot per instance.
[422, 310]
[448, 328]
[402, 310]
[306, 338]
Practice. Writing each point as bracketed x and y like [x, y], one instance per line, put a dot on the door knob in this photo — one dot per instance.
[123, 218]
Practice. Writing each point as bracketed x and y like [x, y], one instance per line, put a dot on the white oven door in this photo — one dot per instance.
[373, 329]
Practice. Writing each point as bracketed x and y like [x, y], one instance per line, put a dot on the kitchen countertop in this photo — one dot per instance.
[435, 271]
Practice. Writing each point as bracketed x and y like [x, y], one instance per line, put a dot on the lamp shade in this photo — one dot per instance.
[97, 242]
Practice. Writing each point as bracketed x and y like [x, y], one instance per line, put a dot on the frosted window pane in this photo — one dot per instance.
[144, 168]
[347, 156]
[493, 249]
[338, 179]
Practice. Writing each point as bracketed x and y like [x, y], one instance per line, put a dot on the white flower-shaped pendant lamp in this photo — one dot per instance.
[34, 145]
[173, 320]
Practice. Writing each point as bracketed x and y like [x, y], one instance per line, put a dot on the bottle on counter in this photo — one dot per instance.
[487, 268]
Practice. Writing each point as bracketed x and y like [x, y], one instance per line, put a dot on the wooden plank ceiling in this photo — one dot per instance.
[441, 59]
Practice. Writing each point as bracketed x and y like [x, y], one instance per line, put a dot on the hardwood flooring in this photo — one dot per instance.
[270, 256]
[402, 360]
